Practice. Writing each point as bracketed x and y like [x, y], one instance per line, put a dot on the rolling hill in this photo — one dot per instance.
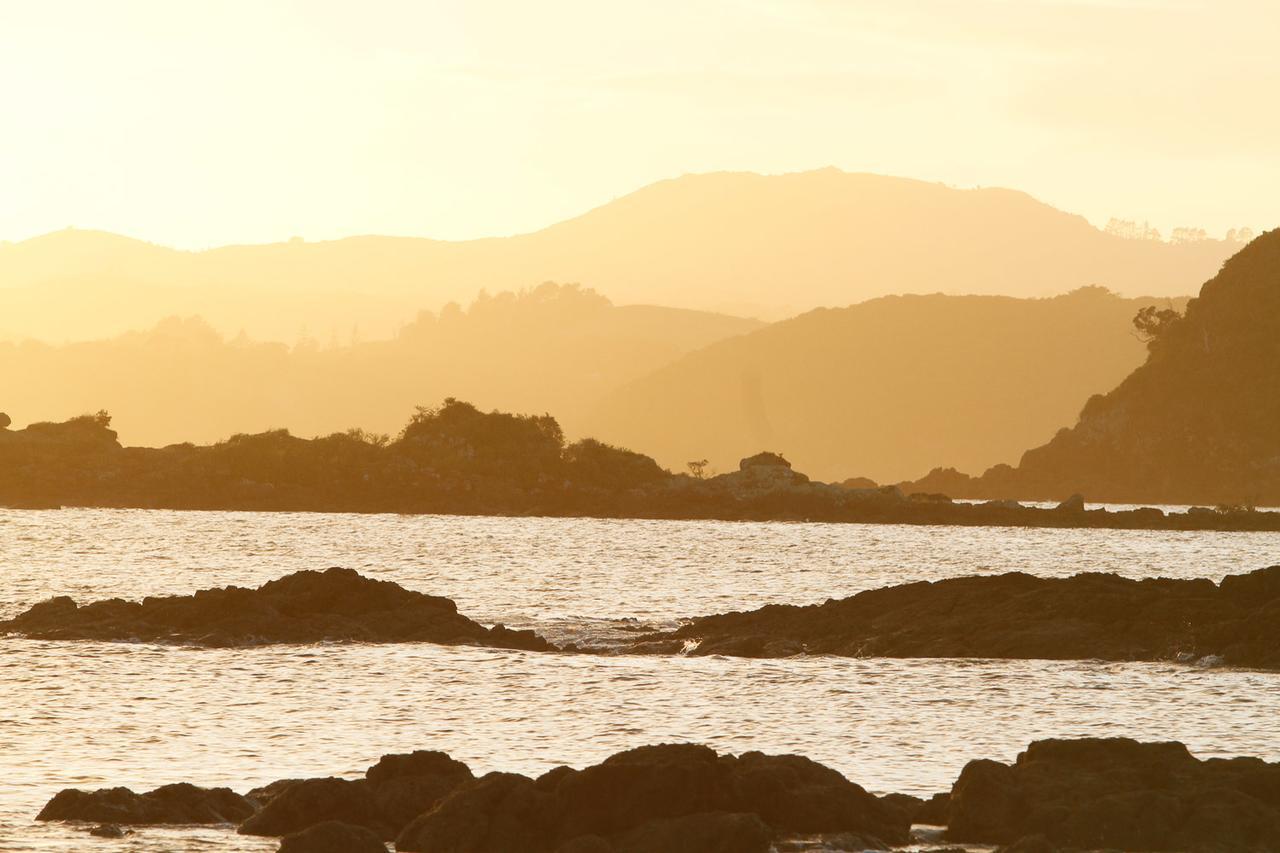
[742, 243]
[885, 388]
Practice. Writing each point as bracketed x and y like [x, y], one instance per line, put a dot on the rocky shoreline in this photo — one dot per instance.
[1088, 616]
[460, 461]
[303, 607]
[1058, 795]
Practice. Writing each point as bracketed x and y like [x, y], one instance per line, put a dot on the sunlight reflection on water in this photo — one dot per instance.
[94, 714]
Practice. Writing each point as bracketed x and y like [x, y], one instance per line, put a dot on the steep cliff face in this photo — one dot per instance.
[1199, 422]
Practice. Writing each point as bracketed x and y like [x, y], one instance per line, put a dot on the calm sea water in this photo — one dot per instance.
[95, 714]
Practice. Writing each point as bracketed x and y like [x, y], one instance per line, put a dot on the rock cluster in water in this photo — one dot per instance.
[1085, 794]
[652, 799]
[1087, 616]
[303, 607]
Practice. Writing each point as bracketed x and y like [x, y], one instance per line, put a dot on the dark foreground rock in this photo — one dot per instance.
[303, 607]
[180, 803]
[650, 800]
[1099, 616]
[394, 791]
[332, 836]
[1120, 794]
[1087, 794]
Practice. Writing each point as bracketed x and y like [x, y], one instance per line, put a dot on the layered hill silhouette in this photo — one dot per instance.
[885, 388]
[1199, 421]
[553, 348]
[768, 246]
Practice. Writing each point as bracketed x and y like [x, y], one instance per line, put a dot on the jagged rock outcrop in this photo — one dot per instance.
[1087, 616]
[180, 803]
[303, 607]
[640, 800]
[1117, 793]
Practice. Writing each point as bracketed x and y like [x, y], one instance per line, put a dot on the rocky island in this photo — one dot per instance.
[1087, 616]
[304, 607]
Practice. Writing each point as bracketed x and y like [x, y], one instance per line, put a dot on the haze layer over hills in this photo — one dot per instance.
[1199, 422]
[554, 348]
[747, 244]
[884, 388]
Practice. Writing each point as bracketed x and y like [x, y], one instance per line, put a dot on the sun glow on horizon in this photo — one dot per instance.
[254, 122]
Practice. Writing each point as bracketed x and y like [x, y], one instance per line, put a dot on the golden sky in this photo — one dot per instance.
[196, 124]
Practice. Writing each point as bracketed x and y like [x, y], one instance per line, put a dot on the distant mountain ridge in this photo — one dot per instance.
[884, 388]
[733, 242]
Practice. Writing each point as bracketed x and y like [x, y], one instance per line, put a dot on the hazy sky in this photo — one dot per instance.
[195, 124]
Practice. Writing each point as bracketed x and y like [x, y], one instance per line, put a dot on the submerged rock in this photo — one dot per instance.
[643, 799]
[1117, 793]
[180, 803]
[1015, 615]
[109, 830]
[303, 607]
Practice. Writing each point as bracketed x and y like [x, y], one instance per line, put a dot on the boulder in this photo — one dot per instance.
[935, 811]
[395, 790]
[639, 796]
[796, 794]
[332, 836]
[1118, 793]
[313, 801]
[266, 793]
[404, 786]
[985, 803]
[904, 806]
[1073, 504]
[169, 804]
[638, 785]
[497, 813]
